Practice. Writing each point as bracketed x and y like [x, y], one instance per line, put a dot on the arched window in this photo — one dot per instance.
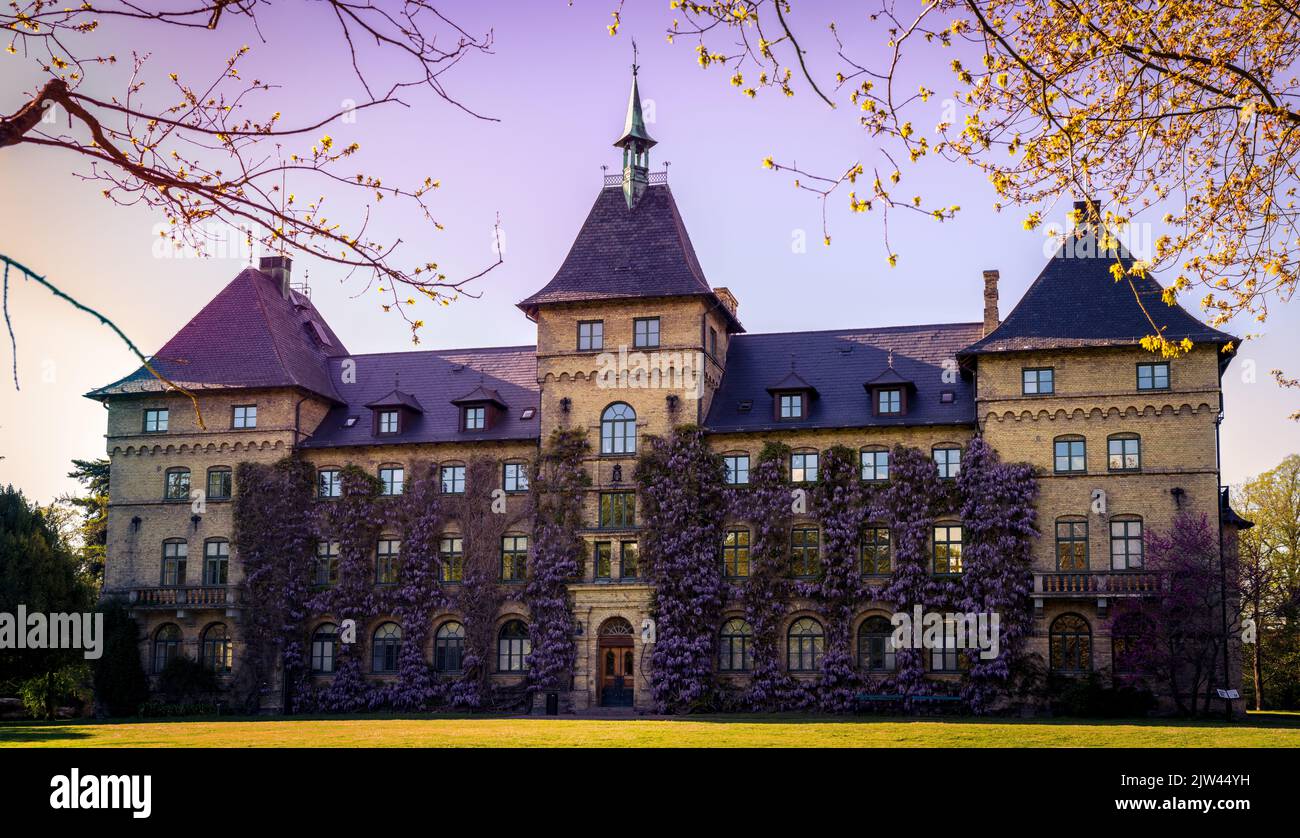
[875, 649]
[216, 653]
[449, 647]
[177, 486]
[387, 645]
[733, 646]
[1070, 639]
[216, 561]
[324, 648]
[513, 647]
[618, 429]
[804, 644]
[175, 552]
[166, 645]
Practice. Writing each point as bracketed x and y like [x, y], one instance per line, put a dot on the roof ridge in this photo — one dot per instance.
[413, 352]
[860, 329]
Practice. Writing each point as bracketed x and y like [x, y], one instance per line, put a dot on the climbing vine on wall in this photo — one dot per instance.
[421, 514]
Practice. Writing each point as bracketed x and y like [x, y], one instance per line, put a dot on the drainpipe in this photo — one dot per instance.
[1223, 572]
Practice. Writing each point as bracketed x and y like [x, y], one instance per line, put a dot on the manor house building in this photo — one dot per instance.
[1122, 439]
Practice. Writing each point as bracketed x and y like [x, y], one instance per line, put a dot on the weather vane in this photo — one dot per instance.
[634, 67]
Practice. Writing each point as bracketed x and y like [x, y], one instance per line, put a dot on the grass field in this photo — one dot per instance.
[1259, 730]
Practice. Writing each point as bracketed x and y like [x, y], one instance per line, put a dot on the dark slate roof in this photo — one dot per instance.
[398, 398]
[247, 336]
[621, 253]
[889, 377]
[479, 395]
[1076, 302]
[792, 381]
[838, 363]
[435, 377]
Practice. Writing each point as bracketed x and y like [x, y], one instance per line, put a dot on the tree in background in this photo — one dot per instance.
[91, 531]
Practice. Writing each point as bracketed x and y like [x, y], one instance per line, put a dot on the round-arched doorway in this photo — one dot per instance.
[615, 663]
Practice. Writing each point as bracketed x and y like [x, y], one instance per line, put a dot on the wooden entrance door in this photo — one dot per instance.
[616, 663]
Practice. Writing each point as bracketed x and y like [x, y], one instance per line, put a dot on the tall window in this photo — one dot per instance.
[451, 550]
[216, 653]
[324, 648]
[1072, 545]
[790, 405]
[1126, 544]
[875, 465]
[735, 553]
[805, 555]
[889, 401]
[733, 646]
[1070, 454]
[513, 647]
[803, 467]
[453, 480]
[1038, 382]
[220, 483]
[713, 342]
[949, 658]
[173, 563]
[629, 560]
[875, 552]
[1153, 376]
[387, 554]
[386, 648]
[216, 562]
[449, 647]
[1070, 641]
[166, 645]
[245, 416]
[875, 649]
[645, 332]
[155, 420]
[178, 484]
[947, 548]
[591, 335]
[514, 558]
[618, 429]
[804, 644]
[603, 552]
[393, 480]
[329, 483]
[1124, 452]
[475, 418]
[1123, 654]
[948, 459]
[327, 563]
[389, 421]
[617, 510]
[514, 477]
[737, 469]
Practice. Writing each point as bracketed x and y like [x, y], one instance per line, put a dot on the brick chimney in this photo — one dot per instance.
[278, 268]
[990, 301]
[727, 299]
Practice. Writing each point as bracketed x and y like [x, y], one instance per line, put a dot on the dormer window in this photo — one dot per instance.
[475, 418]
[389, 421]
[791, 406]
[394, 413]
[481, 409]
[889, 401]
[792, 397]
[890, 392]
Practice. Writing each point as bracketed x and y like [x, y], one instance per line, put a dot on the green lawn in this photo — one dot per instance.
[1259, 730]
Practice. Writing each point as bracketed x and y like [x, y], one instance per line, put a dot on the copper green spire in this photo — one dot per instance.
[636, 143]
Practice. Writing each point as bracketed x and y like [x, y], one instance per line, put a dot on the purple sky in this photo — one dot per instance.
[558, 82]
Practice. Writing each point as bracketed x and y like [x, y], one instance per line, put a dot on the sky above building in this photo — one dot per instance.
[557, 85]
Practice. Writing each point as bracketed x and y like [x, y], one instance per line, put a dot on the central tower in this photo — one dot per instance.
[636, 143]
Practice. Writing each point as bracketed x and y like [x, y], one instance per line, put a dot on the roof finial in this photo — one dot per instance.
[891, 359]
[397, 379]
[634, 67]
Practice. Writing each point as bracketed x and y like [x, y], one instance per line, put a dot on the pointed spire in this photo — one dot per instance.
[636, 143]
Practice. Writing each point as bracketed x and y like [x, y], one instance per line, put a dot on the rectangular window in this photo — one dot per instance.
[950, 658]
[220, 484]
[393, 479]
[451, 554]
[1123, 649]
[805, 555]
[791, 405]
[453, 480]
[713, 342]
[1038, 381]
[889, 401]
[737, 466]
[514, 558]
[1125, 545]
[617, 510]
[178, 485]
[1072, 545]
[389, 421]
[386, 556]
[514, 477]
[327, 563]
[591, 335]
[875, 465]
[329, 484]
[803, 468]
[947, 549]
[603, 557]
[735, 553]
[875, 552]
[949, 462]
[216, 562]
[645, 332]
[1124, 453]
[1070, 455]
[629, 560]
[1153, 376]
[173, 563]
[245, 416]
[475, 418]
[155, 420]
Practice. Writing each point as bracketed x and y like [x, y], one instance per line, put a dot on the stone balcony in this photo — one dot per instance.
[1097, 585]
[185, 599]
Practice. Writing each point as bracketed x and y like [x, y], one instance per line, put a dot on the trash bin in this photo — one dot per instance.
[552, 704]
